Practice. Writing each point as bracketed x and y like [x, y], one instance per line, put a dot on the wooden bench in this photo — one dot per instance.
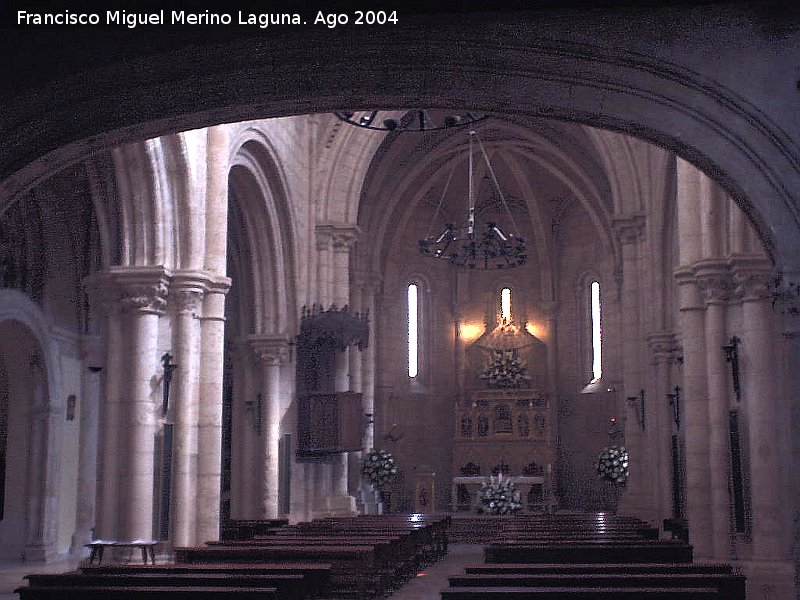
[98, 547]
[567, 593]
[144, 593]
[636, 568]
[317, 575]
[589, 552]
[287, 586]
[727, 586]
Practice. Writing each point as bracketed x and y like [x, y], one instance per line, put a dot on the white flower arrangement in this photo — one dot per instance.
[612, 465]
[379, 467]
[505, 370]
[499, 497]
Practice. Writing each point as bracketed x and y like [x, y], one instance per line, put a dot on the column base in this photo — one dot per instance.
[769, 580]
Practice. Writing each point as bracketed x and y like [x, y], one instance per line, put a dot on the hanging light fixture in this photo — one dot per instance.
[418, 119]
[472, 246]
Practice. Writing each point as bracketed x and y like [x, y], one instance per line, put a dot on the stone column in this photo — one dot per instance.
[713, 278]
[250, 467]
[629, 231]
[212, 347]
[343, 238]
[187, 294]
[659, 416]
[209, 417]
[368, 358]
[759, 396]
[324, 245]
[110, 450]
[273, 352]
[695, 414]
[86, 516]
[39, 415]
[691, 325]
[143, 303]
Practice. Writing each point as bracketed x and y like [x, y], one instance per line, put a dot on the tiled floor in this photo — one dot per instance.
[425, 586]
[428, 583]
[11, 575]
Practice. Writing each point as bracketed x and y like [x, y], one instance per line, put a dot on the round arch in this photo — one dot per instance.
[604, 79]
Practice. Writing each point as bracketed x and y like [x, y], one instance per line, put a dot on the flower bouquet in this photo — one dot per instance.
[499, 496]
[379, 467]
[612, 465]
[505, 370]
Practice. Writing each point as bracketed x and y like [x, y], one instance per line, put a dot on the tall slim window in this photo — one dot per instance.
[413, 338]
[505, 305]
[597, 352]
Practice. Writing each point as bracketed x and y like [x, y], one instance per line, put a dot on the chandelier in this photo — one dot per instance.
[468, 245]
[419, 119]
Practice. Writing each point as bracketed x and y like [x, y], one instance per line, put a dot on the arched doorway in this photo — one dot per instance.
[23, 442]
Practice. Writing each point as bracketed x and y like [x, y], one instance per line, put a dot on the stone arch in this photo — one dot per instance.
[29, 532]
[617, 87]
[262, 191]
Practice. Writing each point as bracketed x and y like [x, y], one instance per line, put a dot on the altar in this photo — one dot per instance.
[533, 491]
[508, 432]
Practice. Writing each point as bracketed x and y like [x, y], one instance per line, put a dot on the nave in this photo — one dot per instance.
[567, 556]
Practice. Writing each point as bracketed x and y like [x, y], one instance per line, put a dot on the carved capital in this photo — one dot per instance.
[339, 237]
[663, 346]
[715, 281]
[147, 298]
[188, 301]
[753, 276]
[271, 349]
[628, 229]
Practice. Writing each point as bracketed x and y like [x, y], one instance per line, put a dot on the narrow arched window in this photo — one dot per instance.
[505, 305]
[596, 331]
[413, 330]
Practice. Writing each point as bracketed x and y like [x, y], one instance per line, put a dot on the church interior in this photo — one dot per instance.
[220, 315]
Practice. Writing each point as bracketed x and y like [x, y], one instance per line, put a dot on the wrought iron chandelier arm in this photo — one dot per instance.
[497, 184]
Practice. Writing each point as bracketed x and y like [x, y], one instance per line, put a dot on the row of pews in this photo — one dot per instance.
[577, 556]
[350, 557]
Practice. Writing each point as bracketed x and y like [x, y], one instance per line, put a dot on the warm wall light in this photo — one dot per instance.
[471, 331]
[533, 329]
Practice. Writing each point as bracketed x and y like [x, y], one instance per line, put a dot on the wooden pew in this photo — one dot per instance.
[315, 575]
[589, 552]
[568, 593]
[77, 592]
[727, 586]
[288, 587]
[357, 570]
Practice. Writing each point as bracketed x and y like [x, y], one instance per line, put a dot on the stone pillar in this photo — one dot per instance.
[759, 396]
[629, 231]
[209, 417]
[343, 238]
[324, 247]
[187, 293]
[273, 352]
[143, 302]
[691, 325]
[212, 347]
[713, 278]
[86, 516]
[659, 418]
[110, 450]
[39, 415]
[250, 468]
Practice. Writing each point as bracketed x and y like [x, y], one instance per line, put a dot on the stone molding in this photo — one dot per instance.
[628, 229]
[270, 348]
[753, 276]
[146, 289]
[664, 347]
[340, 237]
[714, 280]
[689, 297]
